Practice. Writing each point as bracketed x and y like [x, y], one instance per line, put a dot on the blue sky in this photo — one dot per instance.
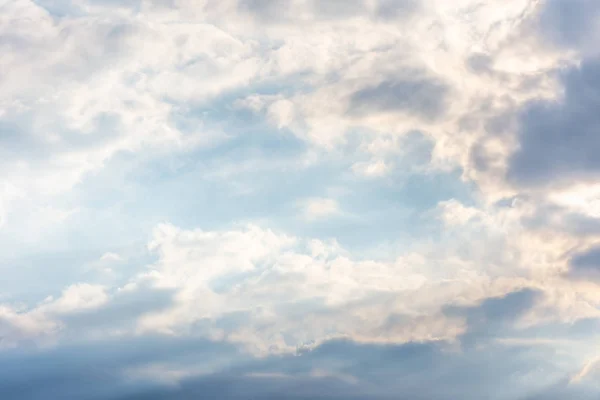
[303, 199]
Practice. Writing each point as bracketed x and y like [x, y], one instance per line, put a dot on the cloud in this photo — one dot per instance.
[495, 316]
[422, 97]
[394, 9]
[98, 370]
[77, 297]
[570, 23]
[273, 293]
[313, 11]
[558, 140]
[467, 258]
[334, 370]
[69, 109]
[590, 369]
[371, 169]
[18, 329]
[317, 208]
[586, 264]
[244, 279]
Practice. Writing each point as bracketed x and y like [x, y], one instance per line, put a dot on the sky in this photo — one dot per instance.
[299, 199]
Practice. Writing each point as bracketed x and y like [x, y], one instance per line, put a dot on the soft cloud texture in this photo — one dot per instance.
[558, 142]
[366, 199]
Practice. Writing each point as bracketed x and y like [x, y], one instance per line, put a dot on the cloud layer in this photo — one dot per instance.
[366, 199]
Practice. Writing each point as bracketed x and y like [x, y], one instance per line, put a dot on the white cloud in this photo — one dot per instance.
[318, 208]
[111, 257]
[17, 327]
[277, 292]
[122, 95]
[584, 199]
[69, 107]
[75, 298]
[271, 292]
[165, 374]
[305, 290]
[591, 368]
[371, 169]
[218, 48]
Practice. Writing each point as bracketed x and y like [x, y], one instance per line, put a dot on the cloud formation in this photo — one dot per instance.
[558, 140]
[366, 199]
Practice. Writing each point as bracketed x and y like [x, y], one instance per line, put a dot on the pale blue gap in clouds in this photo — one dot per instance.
[255, 175]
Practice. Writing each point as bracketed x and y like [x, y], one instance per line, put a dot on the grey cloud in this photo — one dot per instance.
[586, 264]
[425, 97]
[568, 23]
[94, 370]
[580, 224]
[479, 63]
[265, 10]
[564, 391]
[393, 9]
[339, 8]
[507, 307]
[274, 11]
[479, 158]
[232, 387]
[411, 371]
[554, 217]
[560, 141]
[497, 309]
[494, 317]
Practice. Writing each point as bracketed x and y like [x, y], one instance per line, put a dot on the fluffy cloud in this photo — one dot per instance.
[255, 285]
[69, 108]
[18, 328]
[274, 293]
[75, 298]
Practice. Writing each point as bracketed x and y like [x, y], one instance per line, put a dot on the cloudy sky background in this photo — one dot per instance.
[302, 199]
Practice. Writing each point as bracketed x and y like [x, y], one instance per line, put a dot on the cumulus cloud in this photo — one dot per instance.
[274, 293]
[250, 278]
[77, 297]
[69, 108]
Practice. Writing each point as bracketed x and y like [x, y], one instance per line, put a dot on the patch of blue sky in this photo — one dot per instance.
[272, 183]
[257, 175]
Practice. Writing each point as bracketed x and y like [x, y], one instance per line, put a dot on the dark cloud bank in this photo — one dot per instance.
[560, 141]
[478, 368]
